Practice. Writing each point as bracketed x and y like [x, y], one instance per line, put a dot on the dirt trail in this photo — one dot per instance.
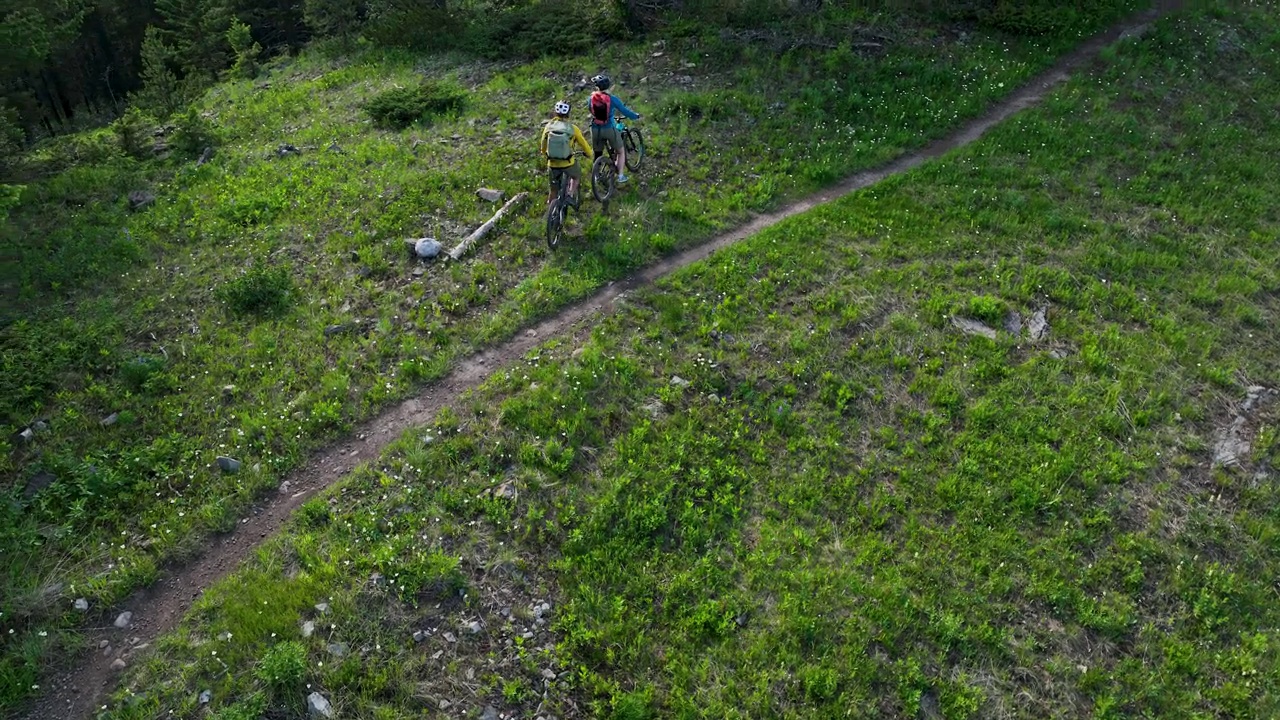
[77, 693]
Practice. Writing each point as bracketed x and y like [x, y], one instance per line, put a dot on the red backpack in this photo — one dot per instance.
[601, 108]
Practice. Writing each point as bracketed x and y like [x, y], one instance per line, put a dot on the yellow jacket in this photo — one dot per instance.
[578, 140]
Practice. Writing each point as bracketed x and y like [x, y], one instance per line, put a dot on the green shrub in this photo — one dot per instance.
[137, 372]
[260, 291]
[193, 133]
[990, 310]
[133, 132]
[283, 666]
[398, 108]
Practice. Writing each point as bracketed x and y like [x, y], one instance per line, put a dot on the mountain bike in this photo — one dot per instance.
[558, 213]
[604, 172]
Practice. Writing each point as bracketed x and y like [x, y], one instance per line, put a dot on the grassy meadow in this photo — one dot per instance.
[787, 482]
[265, 302]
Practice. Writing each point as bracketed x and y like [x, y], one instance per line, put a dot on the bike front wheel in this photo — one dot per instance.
[633, 141]
[604, 176]
[556, 216]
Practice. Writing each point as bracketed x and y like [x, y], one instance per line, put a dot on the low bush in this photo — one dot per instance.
[260, 291]
[400, 107]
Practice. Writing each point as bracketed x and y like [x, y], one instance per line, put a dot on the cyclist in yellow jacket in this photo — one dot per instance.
[559, 138]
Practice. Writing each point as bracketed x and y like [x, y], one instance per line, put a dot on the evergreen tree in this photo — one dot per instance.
[197, 32]
[240, 38]
[161, 92]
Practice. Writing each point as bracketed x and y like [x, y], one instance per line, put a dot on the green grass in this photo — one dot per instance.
[845, 507]
[265, 303]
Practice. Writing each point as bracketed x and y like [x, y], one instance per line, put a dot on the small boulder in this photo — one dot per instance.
[140, 199]
[973, 327]
[450, 637]
[337, 650]
[427, 248]
[109, 420]
[318, 706]
[490, 195]
[37, 482]
[679, 381]
[40, 426]
[473, 627]
[489, 713]
[285, 150]
[205, 156]
[81, 605]
[205, 697]
[123, 619]
[228, 465]
[27, 435]
[119, 664]
[308, 629]
[322, 608]
[1038, 325]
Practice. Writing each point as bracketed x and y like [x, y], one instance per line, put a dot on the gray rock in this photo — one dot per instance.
[490, 195]
[338, 649]
[318, 706]
[1013, 323]
[973, 327]
[205, 696]
[322, 608]
[228, 392]
[109, 420]
[427, 248]
[119, 664]
[141, 199]
[81, 605]
[308, 629]
[419, 636]
[377, 579]
[679, 381]
[473, 627]
[507, 491]
[37, 482]
[1038, 325]
[104, 644]
[450, 637]
[285, 150]
[205, 156]
[123, 619]
[27, 435]
[335, 330]
[40, 426]
[489, 713]
[548, 674]
[444, 704]
[228, 465]
[224, 636]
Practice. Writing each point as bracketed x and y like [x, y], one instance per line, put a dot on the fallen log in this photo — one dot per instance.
[484, 229]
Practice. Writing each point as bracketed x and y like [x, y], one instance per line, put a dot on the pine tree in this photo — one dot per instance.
[161, 92]
[246, 50]
[197, 32]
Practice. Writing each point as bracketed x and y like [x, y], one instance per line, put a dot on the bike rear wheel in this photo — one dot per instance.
[604, 176]
[633, 141]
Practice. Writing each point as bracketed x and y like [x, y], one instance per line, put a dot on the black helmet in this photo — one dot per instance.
[602, 81]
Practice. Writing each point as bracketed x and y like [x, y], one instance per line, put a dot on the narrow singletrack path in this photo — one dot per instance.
[78, 692]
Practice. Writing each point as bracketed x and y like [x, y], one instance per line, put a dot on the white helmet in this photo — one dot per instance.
[562, 108]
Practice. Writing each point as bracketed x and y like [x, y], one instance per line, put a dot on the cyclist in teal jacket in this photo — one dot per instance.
[604, 124]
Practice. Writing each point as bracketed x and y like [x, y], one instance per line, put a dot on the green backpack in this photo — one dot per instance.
[559, 140]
